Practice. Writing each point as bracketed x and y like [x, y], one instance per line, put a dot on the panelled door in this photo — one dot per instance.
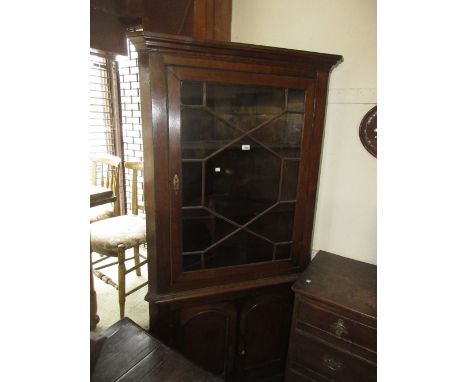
[264, 323]
[206, 335]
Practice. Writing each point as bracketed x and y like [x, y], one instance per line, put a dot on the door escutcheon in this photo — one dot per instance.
[176, 184]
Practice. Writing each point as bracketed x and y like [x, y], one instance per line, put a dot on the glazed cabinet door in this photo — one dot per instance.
[206, 335]
[264, 325]
[236, 144]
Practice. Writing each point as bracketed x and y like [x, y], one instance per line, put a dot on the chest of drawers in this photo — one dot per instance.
[334, 325]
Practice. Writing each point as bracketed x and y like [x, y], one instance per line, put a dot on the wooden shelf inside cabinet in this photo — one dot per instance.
[232, 140]
[334, 326]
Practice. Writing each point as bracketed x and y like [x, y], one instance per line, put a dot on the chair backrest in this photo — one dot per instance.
[135, 167]
[105, 173]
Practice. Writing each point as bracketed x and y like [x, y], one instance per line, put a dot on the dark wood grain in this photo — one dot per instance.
[324, 319]
[212, 19]
[171, 58]
[128, 353]
[209, 292]
[156, 156]
[309, 169]
[263, 342]
[333, 331]
[147, 41]
[201, 19]
[207, 335]
[344, 344]
[107, 32]
[162, 364]
[242, 336]
[312, 353]
[345, 282]
[168, 16]
[222, 20]
[231, 317]
[299, 373]
[125, 346]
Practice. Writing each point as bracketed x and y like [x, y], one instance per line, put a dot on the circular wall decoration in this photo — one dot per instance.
[368, 131]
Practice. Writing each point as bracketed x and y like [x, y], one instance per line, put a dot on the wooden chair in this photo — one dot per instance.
[105, 173]
[113, 236]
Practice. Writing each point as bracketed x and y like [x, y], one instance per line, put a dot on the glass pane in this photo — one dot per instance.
[243, 106]
[238, 180]
[200, 229]
[192, 93]
[242, 248]
[242, 180]
[296, 100]
[283, 251]
[276, 224]
[283, 135]
[203, 134]
[290, 176]
[191, 183]
[191, 262]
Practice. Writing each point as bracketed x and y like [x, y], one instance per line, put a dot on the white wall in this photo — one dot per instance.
[346, 208]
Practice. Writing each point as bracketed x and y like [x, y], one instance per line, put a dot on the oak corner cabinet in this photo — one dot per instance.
[232, 141]
[334, 324]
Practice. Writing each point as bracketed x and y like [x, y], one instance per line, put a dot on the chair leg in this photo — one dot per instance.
[136, 255]
[122, 270]
[93, 300]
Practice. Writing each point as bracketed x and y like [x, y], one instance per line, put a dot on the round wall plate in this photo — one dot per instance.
[368, 131]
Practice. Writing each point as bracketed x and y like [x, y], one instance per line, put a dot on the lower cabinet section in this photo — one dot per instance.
[240, 336]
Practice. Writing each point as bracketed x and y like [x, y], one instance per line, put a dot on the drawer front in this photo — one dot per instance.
[325, 360]
[296, 373]
[336, 325]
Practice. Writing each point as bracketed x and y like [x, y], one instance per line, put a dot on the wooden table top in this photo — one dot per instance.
[129, 353]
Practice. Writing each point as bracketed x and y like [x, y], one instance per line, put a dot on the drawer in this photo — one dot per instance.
[337, 325]
[325, 360]
[296, 373]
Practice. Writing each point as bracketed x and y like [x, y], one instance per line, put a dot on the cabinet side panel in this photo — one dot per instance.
[154, 118]
[309, 169]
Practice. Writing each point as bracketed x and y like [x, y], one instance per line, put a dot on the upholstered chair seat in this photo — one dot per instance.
[100, 213]
[126, 230]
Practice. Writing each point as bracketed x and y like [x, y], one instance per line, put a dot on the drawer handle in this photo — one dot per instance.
[331, 363]
[339, 328]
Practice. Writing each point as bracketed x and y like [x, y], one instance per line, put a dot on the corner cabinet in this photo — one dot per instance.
[232, 140]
